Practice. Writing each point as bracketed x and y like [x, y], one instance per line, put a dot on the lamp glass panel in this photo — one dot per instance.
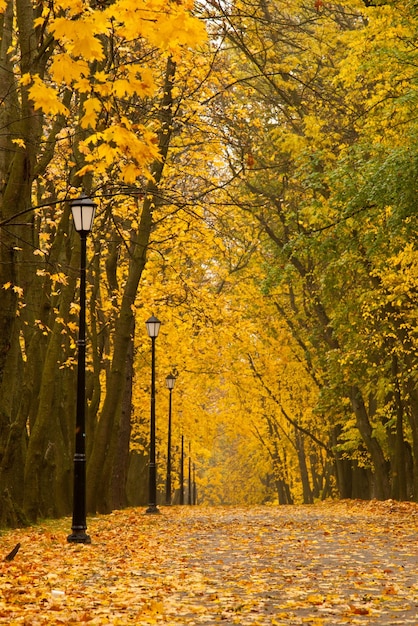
[83, 210]
[170, 381]
[153, 327]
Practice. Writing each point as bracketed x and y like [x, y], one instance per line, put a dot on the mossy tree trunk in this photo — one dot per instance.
[47, 478]
[19, 148]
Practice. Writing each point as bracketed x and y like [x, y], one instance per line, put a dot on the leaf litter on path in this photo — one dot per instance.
[328, 564]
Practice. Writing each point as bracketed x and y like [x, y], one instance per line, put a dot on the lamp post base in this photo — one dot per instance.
[152, 510]
[79, 537]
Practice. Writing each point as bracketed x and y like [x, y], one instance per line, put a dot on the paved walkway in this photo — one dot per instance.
[285, 565]
[322, 565]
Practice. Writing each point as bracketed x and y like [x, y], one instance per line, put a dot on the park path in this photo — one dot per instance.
[328, 564]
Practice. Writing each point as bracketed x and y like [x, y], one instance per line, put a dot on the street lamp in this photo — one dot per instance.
[194, 485]
[190, 474]
[169, 382]
[182, 471]
[153, 328]
[83, 210]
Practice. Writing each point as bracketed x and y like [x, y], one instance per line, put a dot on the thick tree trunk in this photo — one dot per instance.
[47, 489]
[18, 235]
[9, 119]
[343, 467]
[380, 466]
[121, 462]
[283, 492]
[137, 479]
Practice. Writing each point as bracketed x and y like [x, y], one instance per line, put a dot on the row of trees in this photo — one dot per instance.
[324, 161]
[255, 169]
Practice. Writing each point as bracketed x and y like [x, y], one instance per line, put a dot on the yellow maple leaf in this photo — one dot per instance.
[64, 69]
[83, 85]
[18, 290]
[46, 98]
[26, 78]
[178, 30]
[78, 38]
[121, 87]
[130, 173]
[74, 6]
[84, 170]
[92, 107]
[142, 81]
[19, 142]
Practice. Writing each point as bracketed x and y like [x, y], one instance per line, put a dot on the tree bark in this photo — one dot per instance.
[121, 462]
[399, 486]
[303, 468]
[47, 486]
[380, 466]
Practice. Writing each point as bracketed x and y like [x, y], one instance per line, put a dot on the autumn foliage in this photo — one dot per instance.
[255, 167]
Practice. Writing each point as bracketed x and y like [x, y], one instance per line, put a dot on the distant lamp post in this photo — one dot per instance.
[83, 210]
[194, 485]
[189, 500]
[169, 382]
[153, 328]
[182, 471]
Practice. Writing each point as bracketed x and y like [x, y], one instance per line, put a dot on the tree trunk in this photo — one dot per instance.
[47, 489]
[413, 422]
[303, 468]
[9, 119]
[18, 234]
[380, 466]
[399, 489]
[137, 479]
[121, 463]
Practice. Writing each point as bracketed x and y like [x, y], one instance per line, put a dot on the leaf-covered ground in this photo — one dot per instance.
[330, 564]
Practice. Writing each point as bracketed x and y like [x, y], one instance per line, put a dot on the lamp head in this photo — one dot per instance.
[153, 327]
[170, 381]
[83, 210]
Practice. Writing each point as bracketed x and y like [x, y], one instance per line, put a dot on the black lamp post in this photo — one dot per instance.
[190, 475]
[169, 382]
[194, 485]
[153, 328]
[83, 210]
[182, 471]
